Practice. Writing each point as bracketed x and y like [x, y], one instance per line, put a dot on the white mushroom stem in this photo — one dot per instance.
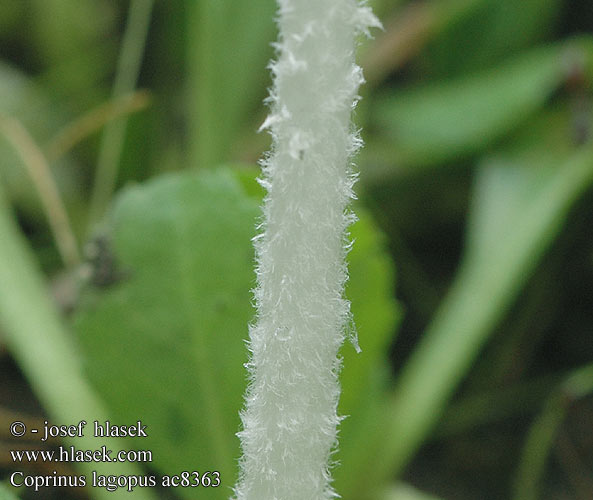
[290, 418]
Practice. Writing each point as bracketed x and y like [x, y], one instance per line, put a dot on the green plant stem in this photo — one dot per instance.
[544, 430]
[40, 344]
[471, 310]
[112, 141]
[206, 128]
[493, 406]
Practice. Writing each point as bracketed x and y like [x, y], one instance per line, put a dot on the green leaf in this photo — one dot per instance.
[518, 209]
[166, 343]
[452, 120]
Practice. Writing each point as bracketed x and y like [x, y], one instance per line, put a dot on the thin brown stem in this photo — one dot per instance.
[38, 168]
[93, 121]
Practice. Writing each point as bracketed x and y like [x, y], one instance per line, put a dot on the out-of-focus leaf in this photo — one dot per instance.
[543, 143]
[511, 178]
[229, 47]
[518, 209]
[488, 31]
[165, 344]
[451, 120]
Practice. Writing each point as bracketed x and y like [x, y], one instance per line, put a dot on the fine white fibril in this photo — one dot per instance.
[290, 417]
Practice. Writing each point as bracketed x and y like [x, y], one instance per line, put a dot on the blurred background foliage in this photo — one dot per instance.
[128, 199]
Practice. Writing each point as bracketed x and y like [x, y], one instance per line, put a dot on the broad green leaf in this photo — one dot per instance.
[451, 120]
[228, 49]
[165, 344]
[509, 179]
